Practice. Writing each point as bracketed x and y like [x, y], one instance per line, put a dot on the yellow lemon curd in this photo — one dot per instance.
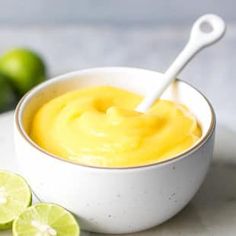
[99, 126]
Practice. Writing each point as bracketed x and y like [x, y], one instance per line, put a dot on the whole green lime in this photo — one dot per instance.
[24, 68]
[7, 95]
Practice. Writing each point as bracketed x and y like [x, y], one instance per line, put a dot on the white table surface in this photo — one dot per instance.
[213, 210]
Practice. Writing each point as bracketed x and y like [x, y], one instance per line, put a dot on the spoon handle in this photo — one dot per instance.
[206, 30]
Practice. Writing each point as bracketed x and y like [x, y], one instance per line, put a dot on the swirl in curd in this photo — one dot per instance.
[99, 127]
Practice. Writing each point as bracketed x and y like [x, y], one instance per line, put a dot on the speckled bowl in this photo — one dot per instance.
[115, 200]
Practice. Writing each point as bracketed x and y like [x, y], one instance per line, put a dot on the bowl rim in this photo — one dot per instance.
[22, 132]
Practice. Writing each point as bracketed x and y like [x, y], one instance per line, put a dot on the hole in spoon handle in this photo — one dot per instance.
[207, 30]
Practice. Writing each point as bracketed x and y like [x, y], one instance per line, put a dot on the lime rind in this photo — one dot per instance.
[15, 197]
[45, 219]
[23, 68]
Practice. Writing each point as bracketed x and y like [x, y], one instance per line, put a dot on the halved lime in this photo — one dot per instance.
[45, 219]
[15, 197]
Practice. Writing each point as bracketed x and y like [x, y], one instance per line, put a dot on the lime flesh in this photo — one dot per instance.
[15, 197]
[45, 219]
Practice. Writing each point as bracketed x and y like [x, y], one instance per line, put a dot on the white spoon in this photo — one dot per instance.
[206, 30]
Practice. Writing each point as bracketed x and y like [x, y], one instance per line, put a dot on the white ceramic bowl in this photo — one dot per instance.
[113, 200]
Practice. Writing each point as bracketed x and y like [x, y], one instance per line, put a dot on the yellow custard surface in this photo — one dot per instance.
[98, 126]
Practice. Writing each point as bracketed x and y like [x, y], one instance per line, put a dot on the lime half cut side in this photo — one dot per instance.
[15, 197]
[45, 219]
